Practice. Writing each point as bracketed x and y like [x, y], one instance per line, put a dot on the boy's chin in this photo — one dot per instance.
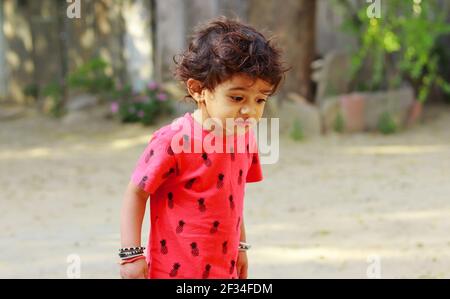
[237, 130]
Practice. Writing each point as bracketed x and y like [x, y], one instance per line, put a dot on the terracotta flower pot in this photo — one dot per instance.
[415, 113]
[352, 107]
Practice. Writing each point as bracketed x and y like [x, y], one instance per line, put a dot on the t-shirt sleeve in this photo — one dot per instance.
[155, 165]
[254, 173]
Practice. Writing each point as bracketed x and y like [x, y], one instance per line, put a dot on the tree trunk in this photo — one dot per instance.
[293, 23]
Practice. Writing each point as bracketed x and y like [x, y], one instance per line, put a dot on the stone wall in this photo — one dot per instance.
[140, 37]
[3, 69]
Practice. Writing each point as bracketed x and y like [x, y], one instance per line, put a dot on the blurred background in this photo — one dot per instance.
[362, 185]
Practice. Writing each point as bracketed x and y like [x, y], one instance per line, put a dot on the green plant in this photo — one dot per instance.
[31, 90]
[387, 124]
[53, 92]
[400, 46]
[297, 132]
[144, 108]
[339, 123]
[92, 77]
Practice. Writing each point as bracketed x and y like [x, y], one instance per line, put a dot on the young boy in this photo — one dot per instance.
[196, 196]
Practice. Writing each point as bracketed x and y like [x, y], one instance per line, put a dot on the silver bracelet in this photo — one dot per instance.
[244, 246]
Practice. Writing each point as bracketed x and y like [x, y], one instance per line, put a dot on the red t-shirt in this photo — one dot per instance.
[196, 199]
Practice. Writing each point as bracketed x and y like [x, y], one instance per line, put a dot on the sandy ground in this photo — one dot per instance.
[332, 207]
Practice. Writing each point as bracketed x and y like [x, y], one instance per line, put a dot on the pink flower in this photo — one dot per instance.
[152, 85]
[140, 99]
[140, 114]
[161, 96]
[114, 107]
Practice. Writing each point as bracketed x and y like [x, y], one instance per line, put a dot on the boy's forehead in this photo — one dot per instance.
[242, 82]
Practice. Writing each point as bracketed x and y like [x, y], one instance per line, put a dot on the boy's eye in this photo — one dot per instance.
[260, 101]
[237, 99]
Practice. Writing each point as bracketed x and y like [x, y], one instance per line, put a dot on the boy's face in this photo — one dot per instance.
[240, 98]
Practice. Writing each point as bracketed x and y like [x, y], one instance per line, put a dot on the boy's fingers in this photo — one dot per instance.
[243, 272]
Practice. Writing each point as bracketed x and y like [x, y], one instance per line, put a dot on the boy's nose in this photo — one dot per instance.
[246, 111]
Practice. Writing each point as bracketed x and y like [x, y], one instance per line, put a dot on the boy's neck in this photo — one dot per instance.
[200, 116]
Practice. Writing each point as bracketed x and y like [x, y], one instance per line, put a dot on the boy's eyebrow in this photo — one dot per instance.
[269, 91]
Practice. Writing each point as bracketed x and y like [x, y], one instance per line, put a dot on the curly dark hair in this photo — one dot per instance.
[222, 48]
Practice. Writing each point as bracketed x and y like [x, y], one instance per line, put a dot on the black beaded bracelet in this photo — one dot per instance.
[126, 249]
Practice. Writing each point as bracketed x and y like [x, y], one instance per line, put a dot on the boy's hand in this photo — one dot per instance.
[242, 265]
[135, 270]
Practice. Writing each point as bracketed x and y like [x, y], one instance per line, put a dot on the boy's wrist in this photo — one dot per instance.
[243, 246]
[131, 252]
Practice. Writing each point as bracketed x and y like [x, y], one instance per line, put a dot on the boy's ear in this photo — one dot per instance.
[194, 88]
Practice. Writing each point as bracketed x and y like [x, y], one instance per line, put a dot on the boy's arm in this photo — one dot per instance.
[242, 239]
[242, 261]
[132, 215]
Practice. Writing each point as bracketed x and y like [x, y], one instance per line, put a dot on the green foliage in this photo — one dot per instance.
[399, 46]
[129, 106]
[31, 90]
[144, 108]
[339, 123]
[91, 77]
[54, 92]
[387, 124]
[297, 132]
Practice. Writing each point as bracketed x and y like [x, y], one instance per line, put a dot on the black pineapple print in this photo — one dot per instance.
[206, 272]
[149, 155]
[170, 200]
[170, 150]
[177, 169]
[180, 226]
[231, 200]
[169, 172]
[240, 176]
[225, 247]
[214, 227]
[206, 160]
[201, 204]
[232, 264]
[194, 249]
[174, 271]
[164, 250]
[189, 183]
[143, 182]
[220, 180]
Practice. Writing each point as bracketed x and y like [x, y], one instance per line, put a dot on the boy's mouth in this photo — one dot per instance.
[243, 122]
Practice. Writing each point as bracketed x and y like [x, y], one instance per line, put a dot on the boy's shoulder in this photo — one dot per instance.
[166, 133]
